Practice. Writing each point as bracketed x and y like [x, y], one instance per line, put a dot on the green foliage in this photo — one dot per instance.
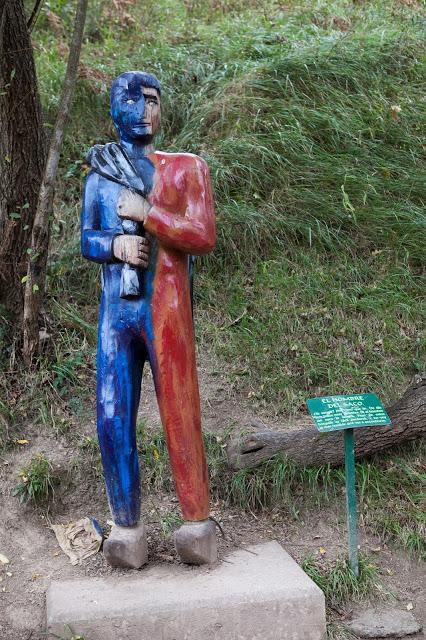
[313, 134]
[37, 481]
[337, 581]
[280, 481]
[5, 419]
[65, 364]
[65, 370]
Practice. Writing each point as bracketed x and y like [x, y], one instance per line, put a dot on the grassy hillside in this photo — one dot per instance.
[312, 118]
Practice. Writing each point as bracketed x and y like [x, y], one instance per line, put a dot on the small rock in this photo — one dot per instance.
[388, 623]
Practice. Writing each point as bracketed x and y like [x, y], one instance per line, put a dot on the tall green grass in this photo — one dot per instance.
[310, 148]
[307, 323]
[314, 135]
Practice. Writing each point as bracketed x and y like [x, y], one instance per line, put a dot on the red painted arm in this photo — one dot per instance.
[195, 231]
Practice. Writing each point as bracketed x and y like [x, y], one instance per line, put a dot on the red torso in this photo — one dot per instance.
[182, 219]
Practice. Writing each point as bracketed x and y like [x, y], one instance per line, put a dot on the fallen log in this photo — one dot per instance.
[307, 447]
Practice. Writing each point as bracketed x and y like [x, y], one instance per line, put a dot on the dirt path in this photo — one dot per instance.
[35, 558]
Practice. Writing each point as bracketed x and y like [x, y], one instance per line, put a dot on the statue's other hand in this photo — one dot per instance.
[132, 206]
[132, 249]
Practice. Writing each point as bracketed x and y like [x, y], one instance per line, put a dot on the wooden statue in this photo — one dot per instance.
[145, 212]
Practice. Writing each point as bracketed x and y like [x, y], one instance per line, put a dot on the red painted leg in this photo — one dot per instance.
[173, 363]
[179, 406]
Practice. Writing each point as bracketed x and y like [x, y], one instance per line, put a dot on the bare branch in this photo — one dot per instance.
[36, 273]
[34, 15]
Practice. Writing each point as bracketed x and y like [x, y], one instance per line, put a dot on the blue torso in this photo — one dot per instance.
[107, 196]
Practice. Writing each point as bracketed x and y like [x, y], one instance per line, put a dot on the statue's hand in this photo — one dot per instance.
[131, 249]
[132, 206]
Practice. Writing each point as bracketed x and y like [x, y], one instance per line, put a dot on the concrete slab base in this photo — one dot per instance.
[259, 593]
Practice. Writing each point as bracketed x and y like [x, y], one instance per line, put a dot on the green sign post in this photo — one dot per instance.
[334, 413]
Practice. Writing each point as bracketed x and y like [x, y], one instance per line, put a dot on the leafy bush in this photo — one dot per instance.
[37, 480]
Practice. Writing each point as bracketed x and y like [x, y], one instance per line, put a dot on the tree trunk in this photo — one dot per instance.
[36, 272]
[307, 447]
[22, 151]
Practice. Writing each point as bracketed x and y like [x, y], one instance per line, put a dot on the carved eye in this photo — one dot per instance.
[130, 101]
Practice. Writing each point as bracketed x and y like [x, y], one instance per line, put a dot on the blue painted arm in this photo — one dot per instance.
[96, 244]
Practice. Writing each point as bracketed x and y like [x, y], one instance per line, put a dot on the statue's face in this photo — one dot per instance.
[135, 109]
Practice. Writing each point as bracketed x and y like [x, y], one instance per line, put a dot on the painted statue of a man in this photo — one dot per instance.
[145, 213]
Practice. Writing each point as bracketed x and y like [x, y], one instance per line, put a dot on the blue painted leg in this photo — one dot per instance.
[119, 371]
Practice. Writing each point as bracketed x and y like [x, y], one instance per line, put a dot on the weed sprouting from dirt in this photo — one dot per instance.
[337, 581]
[68, 635]
[170, 522]
[154, 461]
[336, 631]
[37, 481]
[89, 446]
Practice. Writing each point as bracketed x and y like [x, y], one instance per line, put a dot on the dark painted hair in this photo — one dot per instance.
[145, 79]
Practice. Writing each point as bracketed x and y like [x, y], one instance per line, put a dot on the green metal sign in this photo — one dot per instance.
[333, 413]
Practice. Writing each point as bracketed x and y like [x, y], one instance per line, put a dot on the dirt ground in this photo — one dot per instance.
[36, 559]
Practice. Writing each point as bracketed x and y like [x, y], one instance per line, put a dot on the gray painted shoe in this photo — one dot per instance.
[196, 542]
[126, 547]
